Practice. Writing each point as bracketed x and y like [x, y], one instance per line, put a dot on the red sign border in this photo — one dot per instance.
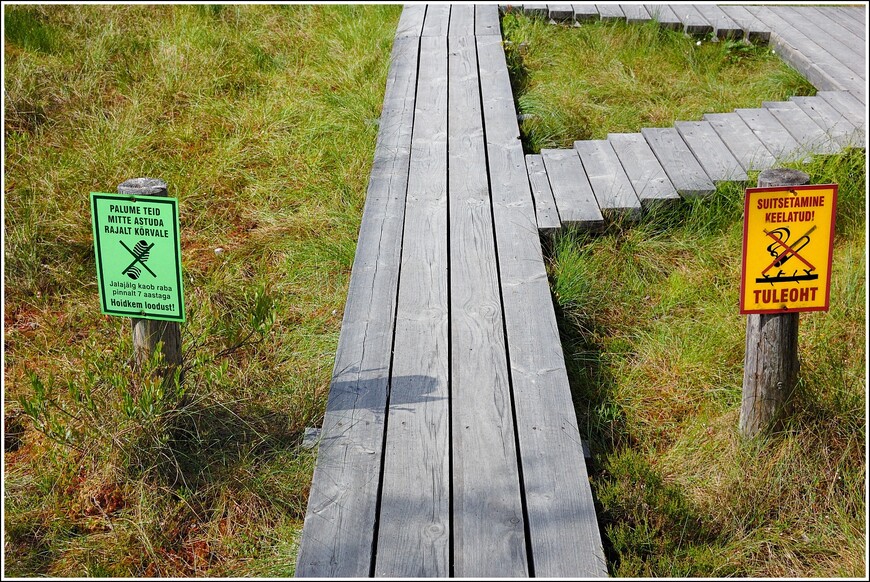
[749, 191]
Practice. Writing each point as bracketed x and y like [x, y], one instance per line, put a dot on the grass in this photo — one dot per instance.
[262, 120]
[654, 342]
[617, 77]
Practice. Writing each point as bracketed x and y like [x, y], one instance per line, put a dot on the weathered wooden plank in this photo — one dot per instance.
[560, 12]
[741, 141]
[635, 13]
[711, 152]
[829, 119]
[610, 12]
[833, 38]
[805, 131]
[461, 20]
[585, 12]
[693, 21]
[754, 30]
[337, 538]
[665, 16]
[612, 188]
[488, 528]
[411, 20]
[486, 21]
[545, 206]
[778, 141]
[858, 14]
[536, 10]
[683, 170]
[723, 25]
[841, 16]
[414, 523]
[647, 176]
[851, 108]
[571, 190]
[810, 59]
[563, 531]
[437, 20]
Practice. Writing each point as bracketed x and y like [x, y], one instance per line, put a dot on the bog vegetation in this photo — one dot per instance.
[262, 120]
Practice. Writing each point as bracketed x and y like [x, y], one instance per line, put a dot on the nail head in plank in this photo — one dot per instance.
[754, 30]
[693, 21]
[684, 171]
[486, 20]
[805, 131]
[741, 141]
[337, 537]
[612, 188]
[571, 190]
[723, 26]
[711, 152]
[488, 526]
[437, 20]
[546, 427]
[560, 12]
[610, 12]
[665, 16]
[585, 12]
[778, 141]
[829, 119]
[414, 519]
[545, 206]
[647, 176]
[635, 13]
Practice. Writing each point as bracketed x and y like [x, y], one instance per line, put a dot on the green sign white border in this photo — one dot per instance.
[176, 231]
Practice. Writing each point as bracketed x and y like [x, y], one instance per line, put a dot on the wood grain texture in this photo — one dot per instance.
[488, 527]
[754, 30]
[437, 20]
[664, 15]
[536, 10]
[683, 170]
[545, 206]
[834, 123]
[486, 20]
[839, 42]
[612, 188]
[610, 12]
[648, 178]
[414, 523]
[411, 20]
[723, 25]
[693, 21]
[571, 189]
[462, 20]
[337, 537]
[710, 151]
[805, 131]
[564, 536]
[844, 17]
[585, 12]
[741, 141]
[851, 108]
[776, 139]
[635, 13]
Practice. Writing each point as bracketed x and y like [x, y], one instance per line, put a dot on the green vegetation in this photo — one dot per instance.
[654, 342]
[581, 83]
[262, 120]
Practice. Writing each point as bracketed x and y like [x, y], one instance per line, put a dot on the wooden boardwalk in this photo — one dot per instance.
[585, 185]
[449, 445]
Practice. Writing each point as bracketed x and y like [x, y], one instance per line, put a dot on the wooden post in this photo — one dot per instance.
[147, 333]
[770, 369]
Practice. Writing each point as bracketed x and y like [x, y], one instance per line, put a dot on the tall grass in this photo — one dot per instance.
[581, 83]
[262, 120]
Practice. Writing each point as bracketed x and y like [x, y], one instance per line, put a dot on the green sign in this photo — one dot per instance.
[138, 249]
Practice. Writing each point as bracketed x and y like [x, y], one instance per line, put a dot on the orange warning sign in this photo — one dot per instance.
[788, 241]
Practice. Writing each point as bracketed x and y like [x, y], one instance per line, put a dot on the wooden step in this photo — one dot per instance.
[571, 189]
[742, 142]
[778, 141]
[683, 170]
[805, 131]
[545, 206]
[723, 25]
[829, 119]
[693, 22]
[711, 152]
[612, 188]
[648, 178]
[665, 16]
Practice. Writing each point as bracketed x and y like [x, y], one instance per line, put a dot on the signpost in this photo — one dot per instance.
[788, 236]
[138, 257]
